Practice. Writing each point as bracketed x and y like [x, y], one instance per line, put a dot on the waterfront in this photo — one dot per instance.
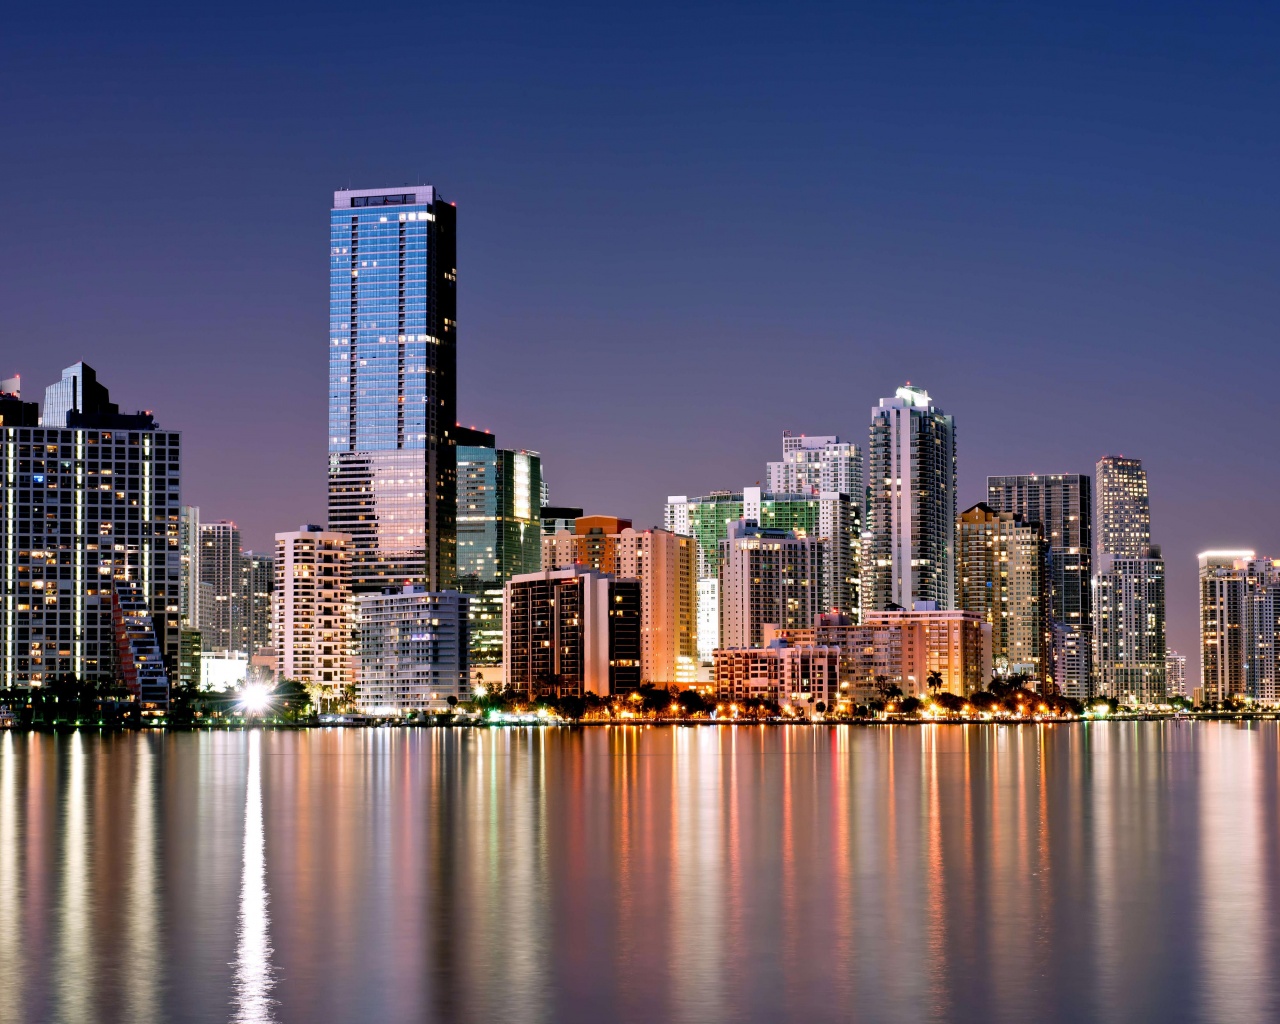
[1105, 871]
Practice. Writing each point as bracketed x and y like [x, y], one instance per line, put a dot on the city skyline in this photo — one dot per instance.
[1064, 293]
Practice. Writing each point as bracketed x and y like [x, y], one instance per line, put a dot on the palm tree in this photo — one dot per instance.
[882, 686]
[934, 680]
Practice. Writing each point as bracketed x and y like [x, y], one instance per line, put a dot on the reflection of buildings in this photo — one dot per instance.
[393, 384]
[413, 649]
[572, 631]
[90, 497]
[499, 527]
[663, 562]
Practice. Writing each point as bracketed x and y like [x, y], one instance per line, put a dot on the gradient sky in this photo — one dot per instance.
[682, 230]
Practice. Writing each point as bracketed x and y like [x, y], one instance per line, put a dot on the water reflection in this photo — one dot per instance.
[1110, 872]
[253, 975]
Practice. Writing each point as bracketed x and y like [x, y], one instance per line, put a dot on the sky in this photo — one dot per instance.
[683, 229]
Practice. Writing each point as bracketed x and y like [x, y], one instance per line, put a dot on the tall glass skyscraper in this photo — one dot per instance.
[393, 384]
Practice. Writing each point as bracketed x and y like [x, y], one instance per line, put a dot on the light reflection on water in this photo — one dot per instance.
[1108, 872]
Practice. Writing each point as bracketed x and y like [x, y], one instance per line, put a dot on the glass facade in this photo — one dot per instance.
[392, 384]
[499, 534]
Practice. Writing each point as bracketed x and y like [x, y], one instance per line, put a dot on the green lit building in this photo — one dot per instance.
[499, 531]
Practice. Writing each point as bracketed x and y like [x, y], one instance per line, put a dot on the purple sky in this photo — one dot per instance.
[680, 234]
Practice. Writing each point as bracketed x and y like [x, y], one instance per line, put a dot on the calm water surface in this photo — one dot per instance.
[1104, 872]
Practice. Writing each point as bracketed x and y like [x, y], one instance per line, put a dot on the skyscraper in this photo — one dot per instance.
[1239, 626]
[768, 577]
[1124, 517]
[393, 384]
[222, 619]
[189, 555]
[90, 498]
[1062, 504]
[499, 531]
[1003, 578]
[312, 609]
[912, 508]
[257, 582]
[1129, 618]
[812, 464]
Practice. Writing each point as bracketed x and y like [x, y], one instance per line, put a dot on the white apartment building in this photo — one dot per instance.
[413, 650]
[312, 608]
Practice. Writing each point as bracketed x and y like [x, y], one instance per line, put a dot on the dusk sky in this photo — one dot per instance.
[681, 231]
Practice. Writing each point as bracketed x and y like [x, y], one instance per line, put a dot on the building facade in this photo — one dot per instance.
[257, 582]
[768, 578]
[499, 529]
[82, 506]
[139, 656]
[223, 620]
[1239, 626]
[1124, 513]
[1175, 674]
[313, 609]
[813, 465]
[393, 384]
[1003, 579]
[1129, 617]
[413, 650]
[664, 563]
[1063, 506]
[911, 512]
[568, 632]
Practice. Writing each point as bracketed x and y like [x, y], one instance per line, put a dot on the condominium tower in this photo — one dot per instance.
[768, 577]
[1129, 627]
[912, 503]
[1239, 626]
[1124, 516]
[814, 464]
[1062, 505]
[312, 608]
[393, 383]
[87, 499]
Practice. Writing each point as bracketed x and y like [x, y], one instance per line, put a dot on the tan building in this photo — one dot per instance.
[770, 579]
[312, 608]
[665, 564]
[1002, 578]
[798, 676]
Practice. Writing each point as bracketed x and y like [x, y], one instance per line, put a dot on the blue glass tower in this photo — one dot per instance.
[393, 384]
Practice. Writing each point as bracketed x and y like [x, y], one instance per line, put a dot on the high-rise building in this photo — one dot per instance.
[1129, 615]
[769, 577]
[257, 581]
[413, 650]
[572, 631]
[911, 511]
[1175, 674]
[814, 465]
[189, 546]
[1062, 504]
[393, 384]
[1003, 579]
[189, 658]
[312, 608]
[88, 499]
[1239, 626]
[833, 516]
[139, 656]
[663, 562]
[1124, 516]
[222, 609]
[499, 530]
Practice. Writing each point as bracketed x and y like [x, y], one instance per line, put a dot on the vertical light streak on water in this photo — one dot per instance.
[143, 943]
[1234, 884]
[1108, 771]
[253, 977]
[74, 958]
[695, 963]
[12, 960]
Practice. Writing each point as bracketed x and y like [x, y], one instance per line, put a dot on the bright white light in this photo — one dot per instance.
[255, 698]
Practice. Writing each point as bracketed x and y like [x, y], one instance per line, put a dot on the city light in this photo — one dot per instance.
[255, 698]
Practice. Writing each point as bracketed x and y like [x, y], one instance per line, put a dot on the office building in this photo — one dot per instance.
[813, 465]
[1003, 579]
[413, 650]
[911, 512]
[770, 579]
[1129, 616]
[568, 632]
[1124, 515]
[313, 610]
[555, 518]
[1062, 505]
[664, 563]
[88, 501]
[393, 384]
[1175, 674]
[223, 625]
[499, 531]
[139, 656]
